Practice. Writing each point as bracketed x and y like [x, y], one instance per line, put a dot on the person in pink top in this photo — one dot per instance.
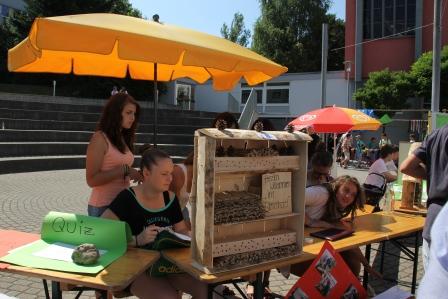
[110, 155]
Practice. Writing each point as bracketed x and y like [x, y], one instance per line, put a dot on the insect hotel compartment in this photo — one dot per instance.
[248, 197]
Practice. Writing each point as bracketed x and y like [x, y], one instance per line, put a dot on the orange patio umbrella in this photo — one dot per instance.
[114, 45]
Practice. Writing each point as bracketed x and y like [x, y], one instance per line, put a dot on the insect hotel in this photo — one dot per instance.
[248, 197]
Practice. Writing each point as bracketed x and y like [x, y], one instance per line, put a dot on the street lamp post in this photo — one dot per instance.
[348, 69]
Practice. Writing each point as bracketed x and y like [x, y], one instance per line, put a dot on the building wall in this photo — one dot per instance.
[304, 94]
[206, 99]
[396, 53]
[428, 18]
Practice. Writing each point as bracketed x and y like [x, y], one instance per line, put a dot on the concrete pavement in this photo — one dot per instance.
[26, 198]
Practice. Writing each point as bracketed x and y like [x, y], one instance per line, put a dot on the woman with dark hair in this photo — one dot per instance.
[319, 169]
[149, 208]
[110, 155]
[334, 205]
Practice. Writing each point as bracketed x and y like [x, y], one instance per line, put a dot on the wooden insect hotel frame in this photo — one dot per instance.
[247, 197]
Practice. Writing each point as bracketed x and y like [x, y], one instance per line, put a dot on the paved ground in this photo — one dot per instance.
[27, 197]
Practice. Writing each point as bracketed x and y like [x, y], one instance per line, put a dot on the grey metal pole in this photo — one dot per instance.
[323, 85]
[435, 94]
[156, 100]
[348, 89]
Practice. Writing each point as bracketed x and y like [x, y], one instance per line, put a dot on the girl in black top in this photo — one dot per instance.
[148, 208]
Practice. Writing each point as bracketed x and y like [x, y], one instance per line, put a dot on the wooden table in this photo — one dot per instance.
[115, 277]
[369, 228]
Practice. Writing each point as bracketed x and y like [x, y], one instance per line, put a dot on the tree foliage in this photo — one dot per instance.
[290, 33]
[237, 32]
[386, 90]
[421, 71]
[14, 29]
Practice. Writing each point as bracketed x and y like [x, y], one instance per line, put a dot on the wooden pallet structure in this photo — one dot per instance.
[247, 197]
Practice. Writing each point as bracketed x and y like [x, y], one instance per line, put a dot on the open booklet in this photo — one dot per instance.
[167, 239]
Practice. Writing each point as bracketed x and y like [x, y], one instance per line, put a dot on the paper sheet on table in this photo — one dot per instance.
[109, 235]
[60, 251]
[393, 293]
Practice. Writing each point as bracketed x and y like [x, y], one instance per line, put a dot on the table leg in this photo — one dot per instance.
[56, 292]
[259, 289]
[383, 249]
[414, 270]
[210, 288]
[365, 280]
[47, 294]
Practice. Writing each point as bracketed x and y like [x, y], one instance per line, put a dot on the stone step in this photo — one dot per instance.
[83, 105]
[83, 136]
[32, 124]
[164, 117]
[30, 149]
[44, 163]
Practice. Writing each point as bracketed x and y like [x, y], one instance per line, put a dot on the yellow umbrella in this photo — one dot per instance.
[111, 45]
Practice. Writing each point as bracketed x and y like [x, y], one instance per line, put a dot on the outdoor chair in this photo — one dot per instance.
[374, 193]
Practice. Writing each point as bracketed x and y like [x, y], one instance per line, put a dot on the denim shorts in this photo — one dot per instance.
[96, 211]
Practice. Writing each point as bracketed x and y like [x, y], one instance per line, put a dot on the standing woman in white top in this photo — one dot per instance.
[334, 205]
[181, 185]
[380, 167]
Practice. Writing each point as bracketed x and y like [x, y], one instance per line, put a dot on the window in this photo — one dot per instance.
[183, 92]
[4, 10]
[387, 17]
[277, 96]
[246, 92]
[277, 93]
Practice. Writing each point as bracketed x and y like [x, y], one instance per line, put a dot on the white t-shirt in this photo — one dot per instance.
[433, 283]
[392, 167]
[316, 198]
[379, 166]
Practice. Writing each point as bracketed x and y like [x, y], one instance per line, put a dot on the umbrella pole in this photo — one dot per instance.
[156, 100]
[335, 164]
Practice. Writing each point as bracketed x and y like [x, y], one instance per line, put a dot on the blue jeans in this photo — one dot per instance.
[96, 211]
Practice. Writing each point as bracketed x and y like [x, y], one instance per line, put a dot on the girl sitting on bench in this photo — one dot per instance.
[148, 208]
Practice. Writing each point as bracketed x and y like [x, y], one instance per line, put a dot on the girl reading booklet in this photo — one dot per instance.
[150, 209]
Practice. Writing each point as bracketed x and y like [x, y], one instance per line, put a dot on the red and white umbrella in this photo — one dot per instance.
[335, 120]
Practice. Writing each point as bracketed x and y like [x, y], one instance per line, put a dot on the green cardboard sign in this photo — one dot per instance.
[109, 235]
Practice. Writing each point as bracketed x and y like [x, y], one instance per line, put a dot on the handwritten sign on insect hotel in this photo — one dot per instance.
[276, 193]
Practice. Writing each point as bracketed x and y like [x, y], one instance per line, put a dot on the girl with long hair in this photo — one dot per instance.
[332, 205]
[110, 155]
